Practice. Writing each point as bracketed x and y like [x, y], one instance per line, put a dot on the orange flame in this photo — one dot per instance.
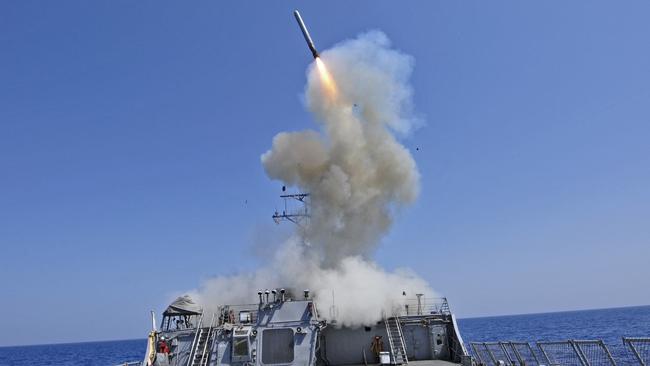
[326, 78]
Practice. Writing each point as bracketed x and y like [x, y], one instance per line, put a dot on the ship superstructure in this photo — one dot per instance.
[283, 330]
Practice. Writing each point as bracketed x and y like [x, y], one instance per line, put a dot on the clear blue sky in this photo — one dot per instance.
[130, 137]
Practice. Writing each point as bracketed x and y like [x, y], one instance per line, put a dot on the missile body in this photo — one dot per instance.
[305, 33]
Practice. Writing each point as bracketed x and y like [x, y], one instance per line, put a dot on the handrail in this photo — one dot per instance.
[205, 346]
[597, 342]
[390, 339]
[401, 337]
[196, 335]
[553, 353]
[425, 306]
[628, 341]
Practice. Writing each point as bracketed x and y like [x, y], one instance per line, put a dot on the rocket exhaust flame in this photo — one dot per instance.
[326, 78]
[357, 174]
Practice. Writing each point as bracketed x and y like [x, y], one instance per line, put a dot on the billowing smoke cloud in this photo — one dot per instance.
[355, 170]
[357, 174]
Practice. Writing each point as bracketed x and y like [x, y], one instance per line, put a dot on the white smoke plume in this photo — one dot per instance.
[357, 174]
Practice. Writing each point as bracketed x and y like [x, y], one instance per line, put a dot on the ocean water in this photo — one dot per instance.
[74, 354]
[606, 324]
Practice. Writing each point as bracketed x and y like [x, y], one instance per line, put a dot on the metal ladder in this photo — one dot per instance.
[444, 308]
[396, 341]
[200, 353]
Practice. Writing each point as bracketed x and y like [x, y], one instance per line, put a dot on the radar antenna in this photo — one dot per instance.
[297, 216]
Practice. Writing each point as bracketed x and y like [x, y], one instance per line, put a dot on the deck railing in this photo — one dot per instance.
[425, 306]
[639, 348]
[574, 352]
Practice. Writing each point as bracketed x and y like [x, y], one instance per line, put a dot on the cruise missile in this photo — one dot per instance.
[305, 33]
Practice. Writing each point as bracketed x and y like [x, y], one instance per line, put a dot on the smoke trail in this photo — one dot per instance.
[356, 172]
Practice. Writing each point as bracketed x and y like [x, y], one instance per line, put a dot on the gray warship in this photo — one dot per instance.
[284, 329]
